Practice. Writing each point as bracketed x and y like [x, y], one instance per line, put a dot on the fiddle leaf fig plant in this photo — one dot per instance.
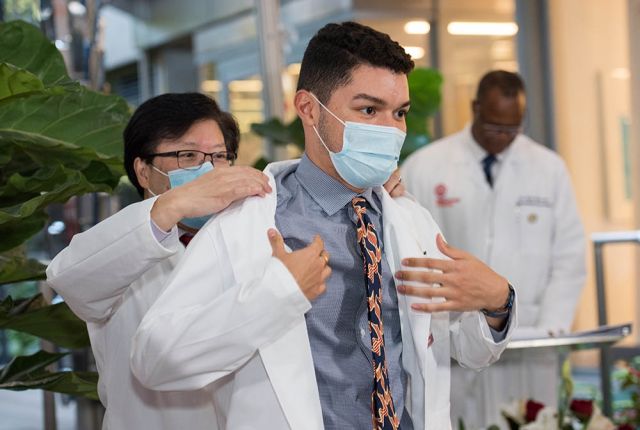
[58, 139]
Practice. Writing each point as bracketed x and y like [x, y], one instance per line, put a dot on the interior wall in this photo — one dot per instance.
[590, 66]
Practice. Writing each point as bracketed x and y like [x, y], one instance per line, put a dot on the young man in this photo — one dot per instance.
[280, 356]
[508, 200]
[111, 274]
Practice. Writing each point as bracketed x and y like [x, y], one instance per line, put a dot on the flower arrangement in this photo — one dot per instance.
[573, 413]
[580, 414]
[629, 377]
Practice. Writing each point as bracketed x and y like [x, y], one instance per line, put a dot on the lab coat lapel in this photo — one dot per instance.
[288, 360]
[400, 242]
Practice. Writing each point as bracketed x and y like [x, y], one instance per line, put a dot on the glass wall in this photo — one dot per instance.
[473, 37]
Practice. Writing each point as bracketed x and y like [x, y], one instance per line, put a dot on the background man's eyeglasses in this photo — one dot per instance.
[496, 130]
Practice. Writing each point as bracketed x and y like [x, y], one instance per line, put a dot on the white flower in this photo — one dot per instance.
[515, 410]
[547, 419]
[599, 421]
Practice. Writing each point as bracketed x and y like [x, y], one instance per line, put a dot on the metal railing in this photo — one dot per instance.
[599, 240]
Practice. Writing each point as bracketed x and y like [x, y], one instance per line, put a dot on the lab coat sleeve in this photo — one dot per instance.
[473, 344]
[97, 267]
[567, 260]
[206, 324]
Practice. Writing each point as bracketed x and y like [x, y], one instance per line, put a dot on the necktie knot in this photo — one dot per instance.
[487, 163]
[359, 204]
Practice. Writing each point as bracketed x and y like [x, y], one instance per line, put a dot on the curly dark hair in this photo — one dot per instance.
[337, 49]
[170, 116]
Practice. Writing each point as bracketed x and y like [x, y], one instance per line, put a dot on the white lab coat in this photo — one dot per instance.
[110, 275]
[233, 316]
[527, 228]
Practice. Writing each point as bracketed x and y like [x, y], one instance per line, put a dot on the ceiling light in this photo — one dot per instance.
[294, 68]
[620, 73]
[417, 27]
[211, 86]
[415, 52]
[462, 28]
[248, 86]
[76, 8]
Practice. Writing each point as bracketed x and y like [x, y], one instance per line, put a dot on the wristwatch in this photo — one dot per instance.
[505, 309]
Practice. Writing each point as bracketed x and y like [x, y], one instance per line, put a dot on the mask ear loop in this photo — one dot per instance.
[162, 173]
[333, 115]
[327, 109]
[158, 170]
[322, 141]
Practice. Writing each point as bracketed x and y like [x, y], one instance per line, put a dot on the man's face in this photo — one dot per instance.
[204, 136]
[497, 120]
[375, 96]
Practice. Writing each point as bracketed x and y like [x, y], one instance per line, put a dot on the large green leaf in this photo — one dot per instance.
[30, 372]
[57, 138]
[55, 323]
[22, 214]
[84, 384]
[14, 81]
[280, 133]
[425, 94]
[24, 46]
[15, 267]
[78, 117]
[21, 367]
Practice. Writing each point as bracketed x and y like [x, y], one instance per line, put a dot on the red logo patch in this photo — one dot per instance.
[441, 197]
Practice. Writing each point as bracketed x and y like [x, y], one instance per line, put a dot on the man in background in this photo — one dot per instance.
[501, 196]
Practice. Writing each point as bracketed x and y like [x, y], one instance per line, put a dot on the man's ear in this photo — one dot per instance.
[475, 107]
[307, 108]
[142, 170]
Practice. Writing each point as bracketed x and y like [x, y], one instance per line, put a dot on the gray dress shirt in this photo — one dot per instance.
[309, 203]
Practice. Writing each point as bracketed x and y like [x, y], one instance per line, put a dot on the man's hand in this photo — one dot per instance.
[394, 185]
[309, 266]
[467, 284]
[209, 194]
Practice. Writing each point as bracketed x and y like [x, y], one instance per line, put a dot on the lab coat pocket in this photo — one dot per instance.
[534, 228]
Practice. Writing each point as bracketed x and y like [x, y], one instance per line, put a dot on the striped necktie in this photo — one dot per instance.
[383, 412]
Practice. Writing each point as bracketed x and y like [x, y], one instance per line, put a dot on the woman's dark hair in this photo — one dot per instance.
[170, 116]
[337, 49]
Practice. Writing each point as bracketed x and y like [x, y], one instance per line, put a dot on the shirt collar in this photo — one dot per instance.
[478, 152]
[330, 194]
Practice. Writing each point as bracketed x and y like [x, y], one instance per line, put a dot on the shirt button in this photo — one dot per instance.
[362, 333]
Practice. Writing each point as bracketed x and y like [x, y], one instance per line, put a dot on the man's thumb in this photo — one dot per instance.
[277, 243]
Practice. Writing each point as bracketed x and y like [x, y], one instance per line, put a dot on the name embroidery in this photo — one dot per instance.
[441, 197]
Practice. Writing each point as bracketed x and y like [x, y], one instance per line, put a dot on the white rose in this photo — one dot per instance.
[599, 421]
[547, 419]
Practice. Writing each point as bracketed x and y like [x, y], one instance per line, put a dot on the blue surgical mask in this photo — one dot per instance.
[369, 155]
[182, 176]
